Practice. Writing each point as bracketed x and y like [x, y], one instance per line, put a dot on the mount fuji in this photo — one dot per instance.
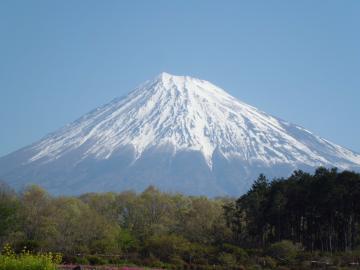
[178, 133]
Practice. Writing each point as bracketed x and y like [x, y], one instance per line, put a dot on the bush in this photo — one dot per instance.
[270, 262]
[164, 247]
[254, 267]
[96, 260]
[177, 261]
[81, 260]
[240, 254]
[284, 251]
[227, 259]
[28, 261]
[151, 261]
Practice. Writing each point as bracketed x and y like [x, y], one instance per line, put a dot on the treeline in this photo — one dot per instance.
[151, 228]
[319, 211]
[275, 223]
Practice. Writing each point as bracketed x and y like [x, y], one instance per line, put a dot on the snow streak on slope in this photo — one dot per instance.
[184, 113]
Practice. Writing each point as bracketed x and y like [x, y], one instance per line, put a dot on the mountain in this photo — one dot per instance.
[177, 133]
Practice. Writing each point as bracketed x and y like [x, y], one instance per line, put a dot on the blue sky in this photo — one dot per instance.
[298, 60]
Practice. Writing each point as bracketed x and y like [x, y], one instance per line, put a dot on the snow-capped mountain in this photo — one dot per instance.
[175, 132]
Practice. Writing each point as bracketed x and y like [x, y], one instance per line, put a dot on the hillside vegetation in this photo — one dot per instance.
[303, 220]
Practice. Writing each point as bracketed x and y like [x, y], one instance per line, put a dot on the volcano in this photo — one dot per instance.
[178, 133]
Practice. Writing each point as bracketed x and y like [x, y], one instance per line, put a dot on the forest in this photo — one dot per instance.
[302, 221]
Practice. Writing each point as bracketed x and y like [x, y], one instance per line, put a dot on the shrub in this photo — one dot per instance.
[240, 254]
[28, 261]
[164, 247]
[227, 259]
[96, 260]
[177, 261]
[270, 262]
[284, 251]
[254, 267]
[81, 260]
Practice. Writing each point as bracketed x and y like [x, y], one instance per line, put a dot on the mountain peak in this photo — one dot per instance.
[164, 75]
[178, 116]
[169, 80]
[186, 86]
[188, 114]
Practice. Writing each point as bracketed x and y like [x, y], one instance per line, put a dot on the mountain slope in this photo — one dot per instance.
[176, 132]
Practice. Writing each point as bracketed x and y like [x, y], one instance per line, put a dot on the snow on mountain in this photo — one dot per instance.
[157, 123]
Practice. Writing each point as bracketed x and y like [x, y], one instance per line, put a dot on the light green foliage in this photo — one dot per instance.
[166, 246]
[284, 251]
[27, 261]
[74, 220]
[203, 222]
[126, 241]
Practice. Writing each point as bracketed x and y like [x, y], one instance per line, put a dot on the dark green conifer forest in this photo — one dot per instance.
[292, 223]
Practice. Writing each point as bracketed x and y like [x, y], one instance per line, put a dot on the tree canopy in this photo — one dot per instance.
[271, 224]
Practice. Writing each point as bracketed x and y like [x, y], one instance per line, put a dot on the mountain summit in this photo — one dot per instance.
[175, 132]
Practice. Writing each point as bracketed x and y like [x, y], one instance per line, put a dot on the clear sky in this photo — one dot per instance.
[298, 60]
